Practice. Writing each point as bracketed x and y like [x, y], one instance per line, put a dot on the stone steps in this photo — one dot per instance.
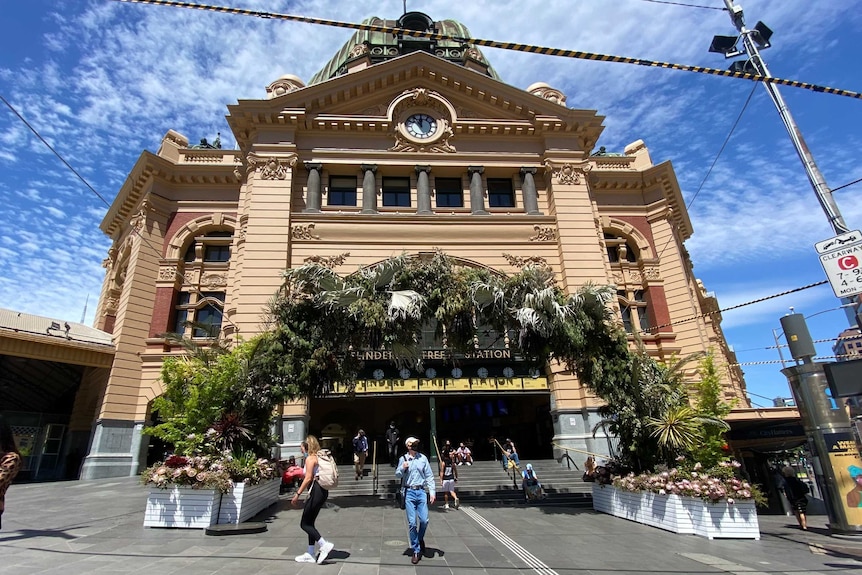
[483, 483]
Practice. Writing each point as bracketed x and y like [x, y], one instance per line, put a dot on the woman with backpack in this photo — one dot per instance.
[317, 496]
[531, 485]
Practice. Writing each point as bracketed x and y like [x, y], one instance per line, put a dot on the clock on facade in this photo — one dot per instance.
[456, 372]
[430, 373]
[378, 374]
[508, 372]
[421, 126]
[405, 373]
[482, 372]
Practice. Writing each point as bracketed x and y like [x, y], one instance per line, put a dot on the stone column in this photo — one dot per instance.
[369, 189]
[313, 197]
[423, 190]
[477, 190]
[528, 189]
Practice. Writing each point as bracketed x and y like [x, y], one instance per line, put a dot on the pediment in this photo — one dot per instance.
[368, 100]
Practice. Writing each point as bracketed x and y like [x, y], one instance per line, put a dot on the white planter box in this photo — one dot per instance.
[200, 508]
[245, 501]
[181, 507]
[679, 514]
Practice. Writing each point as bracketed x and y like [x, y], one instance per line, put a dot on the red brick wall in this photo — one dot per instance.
[163, 309]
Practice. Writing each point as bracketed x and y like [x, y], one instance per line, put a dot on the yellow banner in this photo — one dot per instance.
[441, 384]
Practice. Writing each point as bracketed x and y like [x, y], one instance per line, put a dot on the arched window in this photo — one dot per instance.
[198, 307]
[631, 290]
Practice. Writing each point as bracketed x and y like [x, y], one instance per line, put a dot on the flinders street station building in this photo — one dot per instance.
[399, 145]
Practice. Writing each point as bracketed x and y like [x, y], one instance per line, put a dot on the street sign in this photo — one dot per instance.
[838, 242]
[841, 258]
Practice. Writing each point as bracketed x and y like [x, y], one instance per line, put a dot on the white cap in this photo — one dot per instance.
[410, 441]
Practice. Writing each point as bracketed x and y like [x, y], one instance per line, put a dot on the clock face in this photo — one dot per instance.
[508, 372]
[482, 372]
[456, 372]
[378, 374]
[405, 373]
[421, 126]
[430, 373]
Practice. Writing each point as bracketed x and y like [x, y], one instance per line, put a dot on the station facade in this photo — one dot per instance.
[400, 145]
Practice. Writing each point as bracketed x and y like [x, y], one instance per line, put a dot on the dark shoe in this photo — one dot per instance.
[415, 558]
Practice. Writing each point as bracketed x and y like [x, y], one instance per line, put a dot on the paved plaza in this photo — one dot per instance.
[80, 527]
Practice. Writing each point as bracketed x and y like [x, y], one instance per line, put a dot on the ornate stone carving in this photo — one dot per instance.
[303, 232]
[109, 261]
[214, 280]
[524, 261]
[635, 277]
[544, 234]
[328, 261]
[273, 170]
[567, 174]
[542, 90]
[111, 305]
[284, 85]
[651, 273]
[474, 54]
[619, 279]
[190, 277]
[139, 220]
[442, 145]
[167, 273]
[359, 50]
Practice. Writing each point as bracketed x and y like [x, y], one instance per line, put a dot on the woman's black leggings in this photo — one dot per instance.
[313, 504]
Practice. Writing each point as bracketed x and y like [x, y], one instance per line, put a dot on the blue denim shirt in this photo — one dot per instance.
[419, 472]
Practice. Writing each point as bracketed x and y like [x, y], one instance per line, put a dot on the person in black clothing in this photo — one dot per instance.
[795, 491]
[392, 436]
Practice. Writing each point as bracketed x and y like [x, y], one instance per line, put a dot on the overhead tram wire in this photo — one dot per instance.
[684, 5]
[758, 300]
[714, 161]
[209, 300]
[528, 48]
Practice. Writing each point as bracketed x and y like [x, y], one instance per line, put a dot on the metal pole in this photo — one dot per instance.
[824, 194]
[778, 347]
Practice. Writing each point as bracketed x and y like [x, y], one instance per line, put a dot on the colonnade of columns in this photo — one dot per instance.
[313, 200]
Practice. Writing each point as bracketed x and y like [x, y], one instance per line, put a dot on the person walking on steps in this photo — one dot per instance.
[360, 452]
[448, 477]
[317, 496]
[419, 490]
[392, 437]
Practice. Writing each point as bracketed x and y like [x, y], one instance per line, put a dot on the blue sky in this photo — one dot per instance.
[102, 81]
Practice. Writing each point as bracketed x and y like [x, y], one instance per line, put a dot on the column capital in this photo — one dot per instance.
[475, 170]
[528, 170]
[368, 168]
[313, 166]
[426, 169]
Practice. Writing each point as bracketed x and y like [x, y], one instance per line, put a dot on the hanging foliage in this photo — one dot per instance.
[318, 318]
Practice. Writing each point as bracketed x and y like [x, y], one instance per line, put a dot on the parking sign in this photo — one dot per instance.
[841, 258]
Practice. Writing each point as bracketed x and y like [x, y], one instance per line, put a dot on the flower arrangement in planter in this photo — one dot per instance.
[716, 484]
[217, 416]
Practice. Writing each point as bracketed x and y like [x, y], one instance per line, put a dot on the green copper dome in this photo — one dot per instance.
[380, 46]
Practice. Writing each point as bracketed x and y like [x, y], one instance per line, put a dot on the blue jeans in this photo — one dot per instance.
[513, 457]
[416, 505]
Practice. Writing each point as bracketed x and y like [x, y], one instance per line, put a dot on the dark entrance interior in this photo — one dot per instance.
[36, 397]
[471, 418]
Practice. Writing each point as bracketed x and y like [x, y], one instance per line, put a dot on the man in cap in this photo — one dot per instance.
[392, 436]
[360, 452]
[418, 479]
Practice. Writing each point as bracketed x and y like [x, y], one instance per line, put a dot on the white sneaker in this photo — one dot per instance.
[446, 506]
[457, 502]
[461, 463]
[324, 551]
[468, 463]
[304, 558]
